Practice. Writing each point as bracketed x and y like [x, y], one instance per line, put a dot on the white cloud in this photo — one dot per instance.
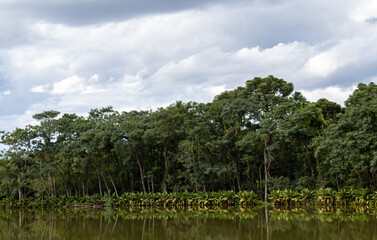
[72, 84]
[151, 61]
[322, 65]
[334, 93]
[343, 53]
[213, 91]
[10, 122]
[47, 61]
[365, 10]
[5, 93]
[40, 89]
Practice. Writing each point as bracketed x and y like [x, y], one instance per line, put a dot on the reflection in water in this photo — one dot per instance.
[188, 224]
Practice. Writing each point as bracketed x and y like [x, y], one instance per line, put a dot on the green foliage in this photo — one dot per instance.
[126, 200]
[261, 137]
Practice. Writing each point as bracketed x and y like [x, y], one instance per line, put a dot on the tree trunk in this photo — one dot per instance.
[50, 184]
[45, 187]
[265, 155]
[83, 187]
[260, 187]
[238, 175]
[132, 182]
[309, 161]
[115, 189]
[148, 184]
[65, 188]
[166, 173]
[141, 174]
[104, 180]
[20, 195]
[54, 185]
[319, 171]
[99, 182]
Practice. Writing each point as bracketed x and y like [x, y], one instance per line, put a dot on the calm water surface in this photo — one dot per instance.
[188, 224]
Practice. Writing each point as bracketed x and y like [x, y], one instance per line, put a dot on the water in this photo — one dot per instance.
[188, 224]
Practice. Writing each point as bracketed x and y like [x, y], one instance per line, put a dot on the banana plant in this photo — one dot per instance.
[325, 196]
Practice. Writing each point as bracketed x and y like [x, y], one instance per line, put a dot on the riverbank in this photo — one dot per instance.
[184, 199]
[328, 197]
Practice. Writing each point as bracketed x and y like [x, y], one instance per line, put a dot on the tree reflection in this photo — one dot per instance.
[265, 223]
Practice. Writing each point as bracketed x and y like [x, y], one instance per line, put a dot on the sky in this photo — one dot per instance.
[75, 55]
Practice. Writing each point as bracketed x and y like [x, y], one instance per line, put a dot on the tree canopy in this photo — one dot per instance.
[262, 136]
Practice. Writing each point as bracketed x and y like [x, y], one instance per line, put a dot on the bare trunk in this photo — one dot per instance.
[83, 187]
[76, 192]
[238, 172]
[319, 170]
[65, 188]
[309, 161]
[115, 189]
[141, 174]
[20, 195]
[166, 173]
[50, 184]
[260, 187]
[54, 185]
[148, 184]
[265, 155]
[104, 180]
[132, 182]
[99, 182]
[238, 180]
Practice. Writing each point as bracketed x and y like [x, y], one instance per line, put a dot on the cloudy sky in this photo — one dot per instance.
[75, 55]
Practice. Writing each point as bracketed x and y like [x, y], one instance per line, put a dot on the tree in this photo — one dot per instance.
[45, 149]
[17, 162]
[166, 130]
[266, 97]
[348, 148]
[133, 126]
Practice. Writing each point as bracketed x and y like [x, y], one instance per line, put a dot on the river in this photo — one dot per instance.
[261, 223]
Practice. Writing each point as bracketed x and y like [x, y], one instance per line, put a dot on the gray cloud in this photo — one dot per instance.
[76, 55]
[97, 11]
[372, 20]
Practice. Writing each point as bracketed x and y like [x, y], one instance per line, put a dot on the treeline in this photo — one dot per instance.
[259, 137]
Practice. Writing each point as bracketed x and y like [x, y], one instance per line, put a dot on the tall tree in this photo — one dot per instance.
[266, 97]
[17, 162]
[166, 130]
[45, 150]
[348, 149]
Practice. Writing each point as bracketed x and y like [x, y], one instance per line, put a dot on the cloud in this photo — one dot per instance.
[365, 11]
[7, 92]
[87, 12]
[40, 89]
[372, 20]
[333, 93]
[340, 55]
[72, 84]
[72, 56]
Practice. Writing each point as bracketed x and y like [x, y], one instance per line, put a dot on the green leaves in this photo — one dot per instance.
[259, 133]
[348, 145]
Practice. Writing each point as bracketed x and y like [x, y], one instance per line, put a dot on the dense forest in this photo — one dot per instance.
[259, 137]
